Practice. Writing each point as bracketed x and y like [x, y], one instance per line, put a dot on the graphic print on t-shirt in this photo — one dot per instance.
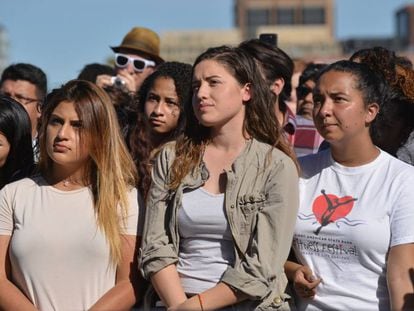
[329, 208]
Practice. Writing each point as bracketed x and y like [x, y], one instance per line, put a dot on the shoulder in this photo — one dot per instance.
[25, 183]
[265, 153]
[396, 167]
[167, 152]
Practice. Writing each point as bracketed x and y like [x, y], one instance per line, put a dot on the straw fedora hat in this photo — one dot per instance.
[142, 41]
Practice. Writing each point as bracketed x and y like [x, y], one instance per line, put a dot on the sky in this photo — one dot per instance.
[61, 36]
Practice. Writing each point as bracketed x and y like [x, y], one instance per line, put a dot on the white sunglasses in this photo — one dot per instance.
[122, 60]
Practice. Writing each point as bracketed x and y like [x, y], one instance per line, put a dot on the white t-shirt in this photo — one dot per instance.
[348, 219]
[59, 257]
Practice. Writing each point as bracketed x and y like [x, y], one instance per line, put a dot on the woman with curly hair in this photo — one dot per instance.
[393, 130]
[161, 116]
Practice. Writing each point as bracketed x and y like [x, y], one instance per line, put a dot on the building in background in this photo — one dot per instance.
[305, 29]
[185, 46]
[405, 27]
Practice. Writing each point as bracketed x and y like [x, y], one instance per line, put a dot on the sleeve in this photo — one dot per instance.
[6, 213]
[131, 224]
[156, 250]
[260, 269]
[402, 215]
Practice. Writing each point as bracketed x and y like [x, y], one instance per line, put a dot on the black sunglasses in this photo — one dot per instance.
[302, 91]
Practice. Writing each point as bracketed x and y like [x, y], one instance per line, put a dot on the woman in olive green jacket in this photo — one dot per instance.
[223, 203]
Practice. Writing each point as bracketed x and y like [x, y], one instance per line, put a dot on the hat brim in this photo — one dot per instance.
[129, 49]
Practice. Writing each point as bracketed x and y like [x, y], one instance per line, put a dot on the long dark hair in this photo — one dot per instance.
[16, 127]
[259, 122]
[140, 142]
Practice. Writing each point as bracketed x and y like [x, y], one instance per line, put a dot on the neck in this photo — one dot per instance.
[355, 154]
[159, 139]
[230, 135]
[67, 178]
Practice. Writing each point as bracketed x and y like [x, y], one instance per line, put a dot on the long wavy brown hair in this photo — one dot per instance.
[110, 170]
[260, 122]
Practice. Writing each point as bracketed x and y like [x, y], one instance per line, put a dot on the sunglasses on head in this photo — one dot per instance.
[140, 64]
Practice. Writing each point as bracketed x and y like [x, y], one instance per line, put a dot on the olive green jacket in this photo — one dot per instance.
[261, 204]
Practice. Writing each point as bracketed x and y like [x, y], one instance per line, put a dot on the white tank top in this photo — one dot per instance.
[206, 244]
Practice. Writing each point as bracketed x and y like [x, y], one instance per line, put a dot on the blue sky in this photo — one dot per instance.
[61, 36]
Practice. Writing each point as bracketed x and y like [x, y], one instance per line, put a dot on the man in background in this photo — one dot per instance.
[135, 59]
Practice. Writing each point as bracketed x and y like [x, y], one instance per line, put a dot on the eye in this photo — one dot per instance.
[171, 102]
[55, 121]
[76, 124]
[214, 82]
[339, 99]
[195, 86]
[152, 98]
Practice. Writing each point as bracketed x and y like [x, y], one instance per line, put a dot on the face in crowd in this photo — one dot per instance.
[162, 106]
[27, 95]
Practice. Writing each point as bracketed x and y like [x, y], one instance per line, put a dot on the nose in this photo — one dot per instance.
[62, 132]
[158, 109]
[309, 97]
[201, 91]
[324, 109]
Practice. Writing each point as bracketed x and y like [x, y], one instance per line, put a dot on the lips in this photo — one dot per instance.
[203, 106]
[60, 148]
[156, 122]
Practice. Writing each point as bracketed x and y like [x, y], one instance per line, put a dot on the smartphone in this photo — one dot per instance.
[270, 38]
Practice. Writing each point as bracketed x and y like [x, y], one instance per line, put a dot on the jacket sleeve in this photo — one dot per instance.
[157, 250]
[258, 270]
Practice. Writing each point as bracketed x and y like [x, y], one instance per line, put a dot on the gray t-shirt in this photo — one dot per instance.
[206, 244]
[59, 257]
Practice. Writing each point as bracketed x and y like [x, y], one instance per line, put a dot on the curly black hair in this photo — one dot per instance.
[140, 142]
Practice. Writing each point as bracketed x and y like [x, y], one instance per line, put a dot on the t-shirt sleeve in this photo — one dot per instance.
[402, 215]
[6, 213]
[130, 225]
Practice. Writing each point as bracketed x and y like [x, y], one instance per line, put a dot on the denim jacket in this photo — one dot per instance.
[261, 204]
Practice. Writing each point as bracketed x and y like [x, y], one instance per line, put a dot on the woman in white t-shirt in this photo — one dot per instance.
[354, 236]
[68, 235]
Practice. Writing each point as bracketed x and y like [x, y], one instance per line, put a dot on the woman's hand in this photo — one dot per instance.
[305, 282]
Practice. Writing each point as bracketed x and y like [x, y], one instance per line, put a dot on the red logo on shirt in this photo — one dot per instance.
[328, 208]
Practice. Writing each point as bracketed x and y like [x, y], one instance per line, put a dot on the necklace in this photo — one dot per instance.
[67, 182]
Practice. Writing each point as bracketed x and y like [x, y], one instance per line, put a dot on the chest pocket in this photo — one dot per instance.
[251, 202]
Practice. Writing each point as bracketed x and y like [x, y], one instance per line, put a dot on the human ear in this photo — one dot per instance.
[246, 92]
[372, 111]
[277, 86]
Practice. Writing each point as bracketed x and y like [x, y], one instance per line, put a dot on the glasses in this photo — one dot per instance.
[22, 99]
[140, 64]
[302, 91]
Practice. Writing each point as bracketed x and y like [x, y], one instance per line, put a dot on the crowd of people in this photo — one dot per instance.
[238, 182]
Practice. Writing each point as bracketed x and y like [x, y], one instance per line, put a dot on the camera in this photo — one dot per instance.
[117, 82]
[269, 38]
